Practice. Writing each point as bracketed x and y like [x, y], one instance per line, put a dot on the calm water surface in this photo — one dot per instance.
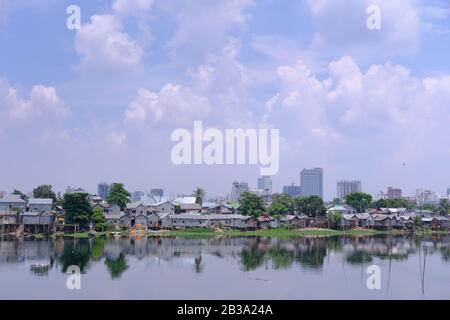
[226, 268]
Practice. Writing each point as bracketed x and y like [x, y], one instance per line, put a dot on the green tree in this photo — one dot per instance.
[417, 222]
[98, 219]
[45, 192]
[22, 195]
[59, 199]
[77, 209]
[428, 206]
[335, 220]
[199, 195]
[118, 195]
[281, 204]
[392, 203]
[251, 204]
[443, 207]
[359, 200]
[311, 206]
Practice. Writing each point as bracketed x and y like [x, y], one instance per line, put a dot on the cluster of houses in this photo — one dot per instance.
[38, 216]
[390, 218]
[34, 215]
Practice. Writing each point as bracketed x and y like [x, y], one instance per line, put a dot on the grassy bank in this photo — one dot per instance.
[82, 235]
[275, 233]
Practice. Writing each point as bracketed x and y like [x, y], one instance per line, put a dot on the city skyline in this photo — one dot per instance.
[243, 185]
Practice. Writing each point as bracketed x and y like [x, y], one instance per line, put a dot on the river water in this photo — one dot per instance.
[227, 268]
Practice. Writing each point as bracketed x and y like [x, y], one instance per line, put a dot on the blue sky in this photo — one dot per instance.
[99, 103]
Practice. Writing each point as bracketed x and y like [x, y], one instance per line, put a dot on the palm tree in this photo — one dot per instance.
[443, 207]
[199, 194]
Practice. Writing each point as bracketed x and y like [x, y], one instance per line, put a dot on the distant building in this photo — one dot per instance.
[265, 184]
[381, 195]
[237, 189]
[292, 190]
[137, 196]
[311, 181]
[103, 190]
[394, 193]
[424, 197]
[346, 187]
[342, 209]
[258, 192]
[69, 189]
[157, 194]
[448, 192]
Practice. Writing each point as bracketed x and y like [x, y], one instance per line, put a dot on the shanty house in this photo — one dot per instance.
[40, 205]
[12, 201]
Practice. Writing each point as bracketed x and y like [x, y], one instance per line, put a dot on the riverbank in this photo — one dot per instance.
[274, 233]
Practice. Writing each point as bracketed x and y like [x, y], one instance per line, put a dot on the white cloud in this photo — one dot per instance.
[204, 27]
[42, 102]
[351, 106]
[125, 7]
[104, 41]
[173, 104]
[117, 139]
[341, 28]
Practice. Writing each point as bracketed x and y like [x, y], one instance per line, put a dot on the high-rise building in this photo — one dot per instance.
[157, 192]
[394, 193]
[137, 196]
[448, 192]
[265, 184]
[346, 187]
[426, 197]
[237, 189]
[311, 181]
[292, 190]
[103, 190]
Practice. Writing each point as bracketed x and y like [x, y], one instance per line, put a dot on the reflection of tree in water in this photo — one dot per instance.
[445, 253]
[312, 255]
[281, 258]
[198, 264]
[359, 257]
[335, 244]
[76, 253]
[391, 256]
[252, 258]
[97, 248]
[116, 266]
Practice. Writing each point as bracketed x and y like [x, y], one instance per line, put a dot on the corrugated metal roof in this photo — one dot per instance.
[32, 201]
[185, 200]
[15, 198]
[194, 216]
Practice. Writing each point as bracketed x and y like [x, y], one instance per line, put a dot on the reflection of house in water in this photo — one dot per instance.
[38, 254]
[250, 252]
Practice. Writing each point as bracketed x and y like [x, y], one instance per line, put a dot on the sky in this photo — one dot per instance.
[99, 103]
